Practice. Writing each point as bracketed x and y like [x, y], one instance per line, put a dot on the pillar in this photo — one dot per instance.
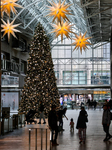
[0, 78]
[111, 64]
[88, 77]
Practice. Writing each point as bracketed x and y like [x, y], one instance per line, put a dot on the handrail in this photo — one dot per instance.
[36, 129]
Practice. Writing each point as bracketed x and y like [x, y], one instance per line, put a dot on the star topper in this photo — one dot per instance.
[81, 42]
[59, 11]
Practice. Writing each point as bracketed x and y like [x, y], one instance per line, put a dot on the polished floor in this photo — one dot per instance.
[19, 138]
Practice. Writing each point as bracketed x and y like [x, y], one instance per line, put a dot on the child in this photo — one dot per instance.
[71, 125]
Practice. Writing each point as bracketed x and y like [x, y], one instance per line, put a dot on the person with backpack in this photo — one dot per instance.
[106, 120]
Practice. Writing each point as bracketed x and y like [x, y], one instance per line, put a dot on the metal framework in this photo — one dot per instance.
[92, 68]
[91, 15]
[35, 11]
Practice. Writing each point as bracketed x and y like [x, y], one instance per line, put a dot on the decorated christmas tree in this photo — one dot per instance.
[40, 81]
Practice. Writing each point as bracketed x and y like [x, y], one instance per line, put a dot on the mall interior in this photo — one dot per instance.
[81, 73]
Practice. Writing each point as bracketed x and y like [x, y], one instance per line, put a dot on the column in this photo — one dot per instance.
[111, 64]
[88, 77]
[61, 77]
[0, 79]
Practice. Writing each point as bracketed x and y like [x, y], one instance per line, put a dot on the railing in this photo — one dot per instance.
[87, 82]
[42, 141]
[13, 122]
[10, 66]
[7, 125]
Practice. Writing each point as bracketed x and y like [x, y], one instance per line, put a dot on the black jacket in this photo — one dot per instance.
[41, 108]
[82, 119]
[52, 119]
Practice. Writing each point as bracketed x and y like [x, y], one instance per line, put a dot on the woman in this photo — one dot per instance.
[81, 125]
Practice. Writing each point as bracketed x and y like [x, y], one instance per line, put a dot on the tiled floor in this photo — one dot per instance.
[19, 139]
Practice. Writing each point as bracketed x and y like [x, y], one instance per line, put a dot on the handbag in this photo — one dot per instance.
[59, 128]
[86, 119]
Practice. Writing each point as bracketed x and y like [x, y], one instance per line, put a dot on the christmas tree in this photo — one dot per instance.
[40, 81]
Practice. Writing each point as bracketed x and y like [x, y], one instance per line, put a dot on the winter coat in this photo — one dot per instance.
[82, 119]
[106, 118]
[52, 119]
[60, 114]
[41, 108]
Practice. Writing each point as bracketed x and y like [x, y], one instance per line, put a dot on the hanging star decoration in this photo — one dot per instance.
[2, 12]
[62, 29]
[9, 28]
[81, 42]
[8, 6]
[59, 11]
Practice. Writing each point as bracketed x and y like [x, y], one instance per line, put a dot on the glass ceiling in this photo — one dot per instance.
[35, 11]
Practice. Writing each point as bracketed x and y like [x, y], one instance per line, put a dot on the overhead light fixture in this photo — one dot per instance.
[81, 42]
[62, 29]
[8, 6]
[59, 11]
[9, 28]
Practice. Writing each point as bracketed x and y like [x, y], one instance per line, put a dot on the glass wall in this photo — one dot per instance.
[92, 67]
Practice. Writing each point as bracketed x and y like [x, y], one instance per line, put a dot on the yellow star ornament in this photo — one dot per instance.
[2, 13]
[8, 6]
[58, 10]
[8, 28]
[81, 42]
[62, 29]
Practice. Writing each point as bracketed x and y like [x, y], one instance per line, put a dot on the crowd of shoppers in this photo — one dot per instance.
[80, 124]
[55, 121]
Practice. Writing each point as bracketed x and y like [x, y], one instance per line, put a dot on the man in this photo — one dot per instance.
[52, 121]
[41, 109]
[106, 120]
[62, 113]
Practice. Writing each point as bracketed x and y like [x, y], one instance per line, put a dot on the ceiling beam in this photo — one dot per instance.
[88, 3]
[90, 16]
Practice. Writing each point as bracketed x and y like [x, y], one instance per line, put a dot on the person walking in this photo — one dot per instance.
[94, 104]
[52, 121]
[81, 125]
[41, 109]
[106, 120]
[71, 125]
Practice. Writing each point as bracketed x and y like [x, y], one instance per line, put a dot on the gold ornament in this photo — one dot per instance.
[81, 41]
[59, 10]
[8, 28]
[8, 5]
[62, 29]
